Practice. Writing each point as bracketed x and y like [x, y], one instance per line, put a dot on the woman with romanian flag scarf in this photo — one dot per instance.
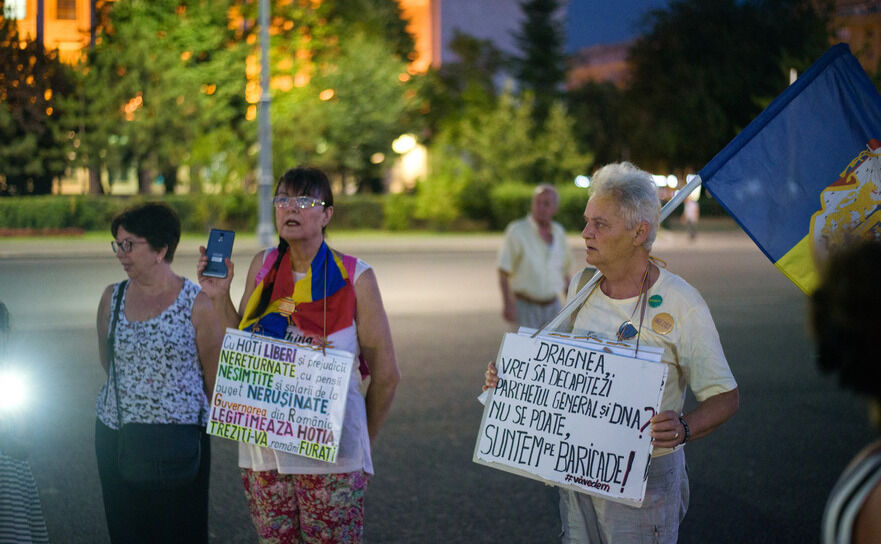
[305, 292]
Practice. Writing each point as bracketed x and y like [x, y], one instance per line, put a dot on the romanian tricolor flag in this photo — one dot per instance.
[805, 175]
[319, 304]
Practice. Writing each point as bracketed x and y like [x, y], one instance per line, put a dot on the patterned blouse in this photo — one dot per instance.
[157, 365]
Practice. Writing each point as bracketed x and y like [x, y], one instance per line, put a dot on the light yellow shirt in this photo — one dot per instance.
[537, 269]
[676, 319]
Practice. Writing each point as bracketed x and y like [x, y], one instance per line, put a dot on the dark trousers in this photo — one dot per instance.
[137, 515]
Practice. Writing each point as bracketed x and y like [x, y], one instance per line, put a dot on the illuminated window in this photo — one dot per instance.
[65, 9]
[14, 9]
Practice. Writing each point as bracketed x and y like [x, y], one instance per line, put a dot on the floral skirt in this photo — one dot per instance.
[307, 508]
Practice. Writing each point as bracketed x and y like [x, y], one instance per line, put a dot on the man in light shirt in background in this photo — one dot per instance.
[534, 263]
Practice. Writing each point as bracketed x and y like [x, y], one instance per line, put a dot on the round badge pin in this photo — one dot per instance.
[662, 323]
[655, 301]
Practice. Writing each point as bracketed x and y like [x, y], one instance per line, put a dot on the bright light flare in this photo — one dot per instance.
[13, 389]
[404, 143]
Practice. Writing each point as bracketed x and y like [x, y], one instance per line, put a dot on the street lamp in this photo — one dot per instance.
[264, 181]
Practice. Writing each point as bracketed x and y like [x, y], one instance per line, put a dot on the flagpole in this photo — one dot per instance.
[581, 295]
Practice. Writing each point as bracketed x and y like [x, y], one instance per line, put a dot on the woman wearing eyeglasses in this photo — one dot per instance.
[639, 301]
[305, 292]
[166, 341]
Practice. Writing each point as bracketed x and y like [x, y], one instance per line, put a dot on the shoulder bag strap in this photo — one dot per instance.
[111, 337]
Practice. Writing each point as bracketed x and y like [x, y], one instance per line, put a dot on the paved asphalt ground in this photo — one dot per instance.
[762, 477]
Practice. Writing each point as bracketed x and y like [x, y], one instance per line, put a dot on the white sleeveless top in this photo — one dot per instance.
[354, 450]
[157, 365]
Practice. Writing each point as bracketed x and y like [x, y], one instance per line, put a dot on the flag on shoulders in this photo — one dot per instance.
[805, 175]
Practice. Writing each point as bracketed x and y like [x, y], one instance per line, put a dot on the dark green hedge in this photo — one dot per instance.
[238, 211]
[510, 201]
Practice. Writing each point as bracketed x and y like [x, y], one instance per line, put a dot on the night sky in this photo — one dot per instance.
[604, 21]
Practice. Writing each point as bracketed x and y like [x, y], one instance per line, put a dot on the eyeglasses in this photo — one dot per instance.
[125, 245]
[301, 202]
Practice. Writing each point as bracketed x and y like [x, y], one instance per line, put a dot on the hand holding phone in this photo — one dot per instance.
[218, 251]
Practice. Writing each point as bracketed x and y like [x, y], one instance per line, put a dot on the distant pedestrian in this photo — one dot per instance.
[845, 322]
[691, 214]
[534, 262]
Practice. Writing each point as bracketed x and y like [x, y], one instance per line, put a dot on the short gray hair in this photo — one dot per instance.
[635, 193]
[546, 187]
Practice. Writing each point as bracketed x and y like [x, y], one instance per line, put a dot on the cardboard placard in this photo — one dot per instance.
[280, 395]
[573, 414]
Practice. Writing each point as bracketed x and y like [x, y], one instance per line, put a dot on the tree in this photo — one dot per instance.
[560, 159]
[34, 146]
[176, 83]
[602, 120]
[706, 68]
[376, 18]
[465, 84]
[541, 68]
[494, 146]
[344, 92]
[346, 118]
[162, 80]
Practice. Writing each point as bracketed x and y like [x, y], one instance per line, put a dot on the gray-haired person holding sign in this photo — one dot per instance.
[637, 299]
[534, 263]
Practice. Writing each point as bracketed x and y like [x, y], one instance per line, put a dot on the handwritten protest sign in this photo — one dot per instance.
[573, 414]
[284, 396]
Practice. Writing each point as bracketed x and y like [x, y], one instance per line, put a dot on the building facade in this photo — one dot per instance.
[598, 63]
[65, 25]
[858, 23]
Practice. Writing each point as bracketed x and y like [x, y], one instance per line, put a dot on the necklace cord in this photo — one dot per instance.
[324, 324]
[643, 291]
[643, 296]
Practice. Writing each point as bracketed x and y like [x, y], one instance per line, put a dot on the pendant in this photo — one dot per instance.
[627, 331]
[287, 306]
